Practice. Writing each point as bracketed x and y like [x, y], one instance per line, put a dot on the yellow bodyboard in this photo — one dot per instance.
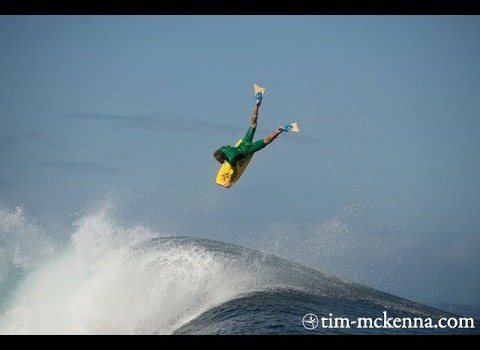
[226, 170]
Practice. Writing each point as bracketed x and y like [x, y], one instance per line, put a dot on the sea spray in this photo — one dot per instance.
[109, 280]
[23, 247]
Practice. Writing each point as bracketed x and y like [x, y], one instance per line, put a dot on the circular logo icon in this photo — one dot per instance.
[310, 321]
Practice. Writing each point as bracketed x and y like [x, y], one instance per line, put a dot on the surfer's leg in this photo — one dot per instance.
[253, 125]
[253, 147]
[273, 135]
[248, 138]
[254, 117]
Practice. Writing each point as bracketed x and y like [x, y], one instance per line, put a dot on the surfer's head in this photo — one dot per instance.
[219, 156]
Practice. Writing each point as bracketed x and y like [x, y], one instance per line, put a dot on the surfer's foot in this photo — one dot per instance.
[285, 127]
[258, 98]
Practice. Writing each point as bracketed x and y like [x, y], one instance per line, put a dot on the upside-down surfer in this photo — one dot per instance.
[233, 154]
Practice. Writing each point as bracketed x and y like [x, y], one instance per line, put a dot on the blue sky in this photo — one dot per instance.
[379, 187]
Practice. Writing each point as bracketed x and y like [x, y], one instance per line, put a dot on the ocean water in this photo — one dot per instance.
[108, 279]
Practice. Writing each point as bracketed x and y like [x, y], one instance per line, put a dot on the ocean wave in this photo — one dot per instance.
[131, 280]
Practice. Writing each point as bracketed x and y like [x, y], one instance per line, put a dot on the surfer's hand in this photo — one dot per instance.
[228, 184]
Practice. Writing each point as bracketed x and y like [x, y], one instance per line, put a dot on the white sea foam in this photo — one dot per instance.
[104, 283]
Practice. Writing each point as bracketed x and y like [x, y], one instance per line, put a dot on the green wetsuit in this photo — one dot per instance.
[235, 154]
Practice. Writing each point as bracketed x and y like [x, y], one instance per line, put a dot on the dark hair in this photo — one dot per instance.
[219, 156]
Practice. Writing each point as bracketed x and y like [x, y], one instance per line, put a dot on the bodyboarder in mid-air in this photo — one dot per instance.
[232, 154]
